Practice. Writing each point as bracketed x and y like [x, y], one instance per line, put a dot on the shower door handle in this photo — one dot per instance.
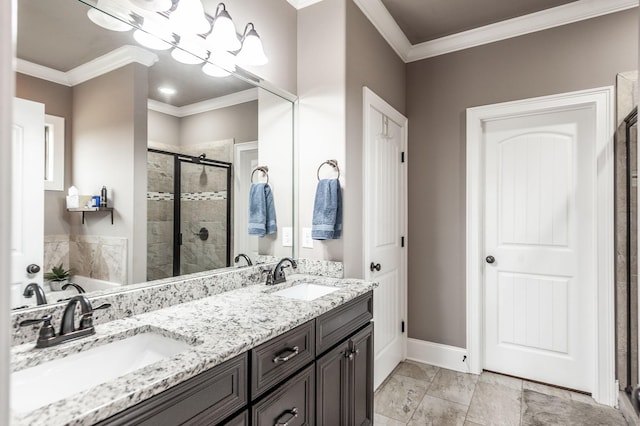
[180, 239]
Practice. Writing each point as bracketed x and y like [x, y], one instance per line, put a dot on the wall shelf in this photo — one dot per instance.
[84, 210]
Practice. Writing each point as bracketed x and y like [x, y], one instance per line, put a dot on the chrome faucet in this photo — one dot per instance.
[74, 285]
[278, 272]
[247, 258]
[32, 289]
[48, 337]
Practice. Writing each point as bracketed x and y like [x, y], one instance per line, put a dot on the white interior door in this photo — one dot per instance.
[540, 231]
[246, 159]
[27, 197]
[385, 224]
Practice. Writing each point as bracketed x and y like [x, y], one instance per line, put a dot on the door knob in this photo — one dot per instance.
[375, 267]
[33, 269]
[490, 259]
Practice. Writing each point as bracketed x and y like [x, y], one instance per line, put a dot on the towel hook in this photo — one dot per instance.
[332, 163]
[263, 169]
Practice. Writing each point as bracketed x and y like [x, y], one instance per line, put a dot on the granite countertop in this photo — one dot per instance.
[219, 327]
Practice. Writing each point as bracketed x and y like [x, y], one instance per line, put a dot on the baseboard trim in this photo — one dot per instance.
[437, 354]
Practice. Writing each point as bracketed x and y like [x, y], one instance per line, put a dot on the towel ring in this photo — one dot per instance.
[332, 163]
[263, 169]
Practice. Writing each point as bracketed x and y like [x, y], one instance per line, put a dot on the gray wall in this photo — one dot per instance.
[238, 122]
[110, 148]
[583, 55]
[163, 128]
[370, 62]
[57, 100]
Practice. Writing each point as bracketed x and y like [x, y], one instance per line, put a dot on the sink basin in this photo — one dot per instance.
[305, 291]
[54, 380]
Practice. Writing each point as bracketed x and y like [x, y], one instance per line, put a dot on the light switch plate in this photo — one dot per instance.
[287, 236]
[307, 241]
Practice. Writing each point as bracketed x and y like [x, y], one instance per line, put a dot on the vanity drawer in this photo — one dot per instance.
[274, 361]
[239, 420]
[291, 404]
[337, 324]
[202, 400]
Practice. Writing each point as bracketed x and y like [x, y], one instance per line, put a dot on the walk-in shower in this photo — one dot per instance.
[188, 214]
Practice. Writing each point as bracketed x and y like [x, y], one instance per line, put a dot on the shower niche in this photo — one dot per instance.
[189, 214]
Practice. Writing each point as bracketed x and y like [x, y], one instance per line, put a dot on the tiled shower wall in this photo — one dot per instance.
[203, 204]
[626, 98]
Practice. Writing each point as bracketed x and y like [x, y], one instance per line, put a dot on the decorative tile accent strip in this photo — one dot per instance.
[160, 196]
[204, 196]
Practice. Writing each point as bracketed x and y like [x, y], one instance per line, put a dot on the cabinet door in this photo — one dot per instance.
[332, 395]
[361, 378]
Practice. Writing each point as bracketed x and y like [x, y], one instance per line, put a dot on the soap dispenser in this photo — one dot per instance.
[103, 197]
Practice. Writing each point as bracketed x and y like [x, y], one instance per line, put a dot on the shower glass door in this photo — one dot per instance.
[160, 199]
[204, 215]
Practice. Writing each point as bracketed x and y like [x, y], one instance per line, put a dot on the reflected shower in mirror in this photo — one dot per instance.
[174, 147]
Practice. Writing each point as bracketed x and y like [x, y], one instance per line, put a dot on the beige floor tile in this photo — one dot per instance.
[416, 370]
[500, 379]
[380, 420]
[453, 386]
[547, 390]
[495, 405]
[399, 397]
[436, 412]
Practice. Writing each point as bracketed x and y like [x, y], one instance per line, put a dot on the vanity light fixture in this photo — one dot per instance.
[214, 70]
[190, 50]
[105, 16]
[223, 34]
[252, 52]
[153, 5]
[189, 18]
[220, 64]
[153, 33]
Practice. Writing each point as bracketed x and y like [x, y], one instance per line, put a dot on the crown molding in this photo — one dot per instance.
[538, 21]
[380, 17]
[204, 106]
[41, 72]
[301, 4]
[113, 60]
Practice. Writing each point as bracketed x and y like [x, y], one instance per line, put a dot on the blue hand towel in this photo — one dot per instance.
[262, 211]
[327, 211]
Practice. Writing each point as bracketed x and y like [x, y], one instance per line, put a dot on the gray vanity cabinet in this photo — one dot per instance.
[344, 388]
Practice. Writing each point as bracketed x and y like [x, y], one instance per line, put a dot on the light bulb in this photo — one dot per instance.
[188, 18]
[103, 16]
[154, 33]
[223, 34]
[190, 50]
[153, 5]
[214, 70]
[252, 52]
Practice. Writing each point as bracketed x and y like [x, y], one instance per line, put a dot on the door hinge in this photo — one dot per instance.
[402, 157]
[402, 326]
[401, 241]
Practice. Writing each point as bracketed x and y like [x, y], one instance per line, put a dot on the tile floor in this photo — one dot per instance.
[420, 394]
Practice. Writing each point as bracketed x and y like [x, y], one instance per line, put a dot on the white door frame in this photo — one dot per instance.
[371, 99]
[602, 99]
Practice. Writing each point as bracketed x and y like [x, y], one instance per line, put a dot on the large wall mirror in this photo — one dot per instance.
[176, 149]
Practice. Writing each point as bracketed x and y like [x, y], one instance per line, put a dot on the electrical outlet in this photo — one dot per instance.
[287, 236]
[307, 241]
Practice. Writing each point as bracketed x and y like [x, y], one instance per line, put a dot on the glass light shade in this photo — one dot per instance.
[106, 19]
[153, 34]
[252, 52]
[188, 18]
[223, 59]
[153, 5]
[214, 70]
[190, 50]
[223, 34]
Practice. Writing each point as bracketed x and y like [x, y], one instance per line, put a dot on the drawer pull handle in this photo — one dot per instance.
[293, 413]
[291, 353]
